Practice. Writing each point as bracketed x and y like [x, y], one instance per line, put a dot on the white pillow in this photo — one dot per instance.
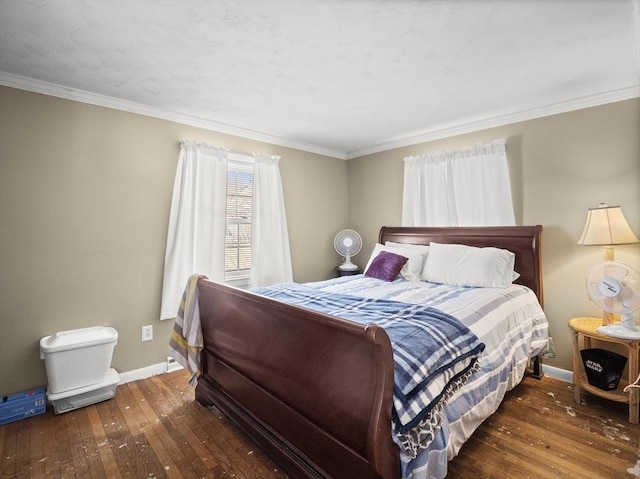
[412, 269]
[461, 265]
[419, 248]
[411, 249]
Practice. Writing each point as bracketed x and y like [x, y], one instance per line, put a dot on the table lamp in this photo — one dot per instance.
[606, 226]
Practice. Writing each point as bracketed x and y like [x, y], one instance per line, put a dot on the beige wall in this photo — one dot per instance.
[85, 193]
[560, 166]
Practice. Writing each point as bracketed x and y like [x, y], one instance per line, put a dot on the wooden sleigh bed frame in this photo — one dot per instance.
[314, 391]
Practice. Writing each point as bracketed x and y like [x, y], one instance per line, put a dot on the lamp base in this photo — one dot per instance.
[610, 318]
[609, 252]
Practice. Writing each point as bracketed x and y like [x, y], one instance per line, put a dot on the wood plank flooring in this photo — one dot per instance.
[155, 429]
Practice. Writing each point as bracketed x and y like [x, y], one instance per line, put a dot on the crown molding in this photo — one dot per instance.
[501, 120]
[52, 89]
[37, 86]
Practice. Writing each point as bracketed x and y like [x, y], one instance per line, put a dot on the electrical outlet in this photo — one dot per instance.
[147, 333]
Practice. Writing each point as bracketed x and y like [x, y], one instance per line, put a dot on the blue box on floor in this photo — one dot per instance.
[21, 405]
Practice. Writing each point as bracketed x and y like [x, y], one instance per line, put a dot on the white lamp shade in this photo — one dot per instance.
[606, 225]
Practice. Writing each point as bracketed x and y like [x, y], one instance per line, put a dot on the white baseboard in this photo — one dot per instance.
[557, 373]
[172, 365]
[153, 370]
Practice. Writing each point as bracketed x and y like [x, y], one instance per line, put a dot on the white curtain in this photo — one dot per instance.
[195, 237]
[270, 253]
[458, 188]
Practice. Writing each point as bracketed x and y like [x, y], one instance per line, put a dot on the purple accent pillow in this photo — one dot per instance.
[386, 266]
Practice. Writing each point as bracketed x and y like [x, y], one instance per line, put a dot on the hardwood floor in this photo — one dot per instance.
[153, 428]
[539, 432]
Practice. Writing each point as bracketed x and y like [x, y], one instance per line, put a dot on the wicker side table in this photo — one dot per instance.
[587, 328]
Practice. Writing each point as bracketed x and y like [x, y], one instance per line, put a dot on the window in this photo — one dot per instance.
[237, 242]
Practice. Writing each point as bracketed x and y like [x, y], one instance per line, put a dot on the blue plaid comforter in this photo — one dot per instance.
[434, 353]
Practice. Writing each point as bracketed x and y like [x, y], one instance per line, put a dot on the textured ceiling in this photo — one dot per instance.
[342, 78]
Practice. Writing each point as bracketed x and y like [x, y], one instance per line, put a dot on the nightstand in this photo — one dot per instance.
[347, 272]
[587, 328]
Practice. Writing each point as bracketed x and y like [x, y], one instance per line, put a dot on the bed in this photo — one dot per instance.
[316, 392]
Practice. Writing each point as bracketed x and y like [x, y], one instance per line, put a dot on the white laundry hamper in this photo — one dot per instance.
[78, 364]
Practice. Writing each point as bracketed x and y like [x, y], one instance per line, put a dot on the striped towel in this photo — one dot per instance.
[186, 343]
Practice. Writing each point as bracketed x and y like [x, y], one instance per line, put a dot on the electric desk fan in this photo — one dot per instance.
[347, 243]
[615, 288]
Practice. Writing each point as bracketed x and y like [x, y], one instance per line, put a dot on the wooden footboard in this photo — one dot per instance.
[314, 391]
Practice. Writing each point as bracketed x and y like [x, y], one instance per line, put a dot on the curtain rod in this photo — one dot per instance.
[243, 156]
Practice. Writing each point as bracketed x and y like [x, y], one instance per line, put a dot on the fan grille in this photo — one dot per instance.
[347, 242]
[614, 287]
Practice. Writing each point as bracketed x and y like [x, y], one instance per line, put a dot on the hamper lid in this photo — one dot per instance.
[77, 338]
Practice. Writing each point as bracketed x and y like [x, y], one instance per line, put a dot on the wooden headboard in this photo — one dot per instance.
[524, 241]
